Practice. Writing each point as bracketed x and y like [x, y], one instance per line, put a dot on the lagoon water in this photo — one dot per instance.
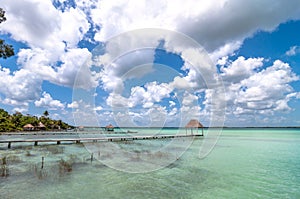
[245, 163]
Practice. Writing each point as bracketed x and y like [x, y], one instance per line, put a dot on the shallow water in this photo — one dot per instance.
[245, 163]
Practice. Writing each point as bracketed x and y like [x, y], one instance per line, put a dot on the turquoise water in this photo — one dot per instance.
[245, 163]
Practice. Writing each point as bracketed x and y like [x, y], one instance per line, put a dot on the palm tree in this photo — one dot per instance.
[46, 113]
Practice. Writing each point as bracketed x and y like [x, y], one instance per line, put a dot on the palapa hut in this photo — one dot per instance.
[194, 125]
[28, 127]
[109, 127]
[41, 126]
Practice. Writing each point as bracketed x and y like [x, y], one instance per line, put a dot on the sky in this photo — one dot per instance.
[149, 63]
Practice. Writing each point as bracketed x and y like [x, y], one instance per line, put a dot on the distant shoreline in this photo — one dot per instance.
[130, 128]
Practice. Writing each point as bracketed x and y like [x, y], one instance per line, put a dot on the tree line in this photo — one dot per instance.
[17, 121]
[6, 50]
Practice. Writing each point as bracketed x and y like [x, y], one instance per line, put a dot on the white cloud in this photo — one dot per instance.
[173, 112]
[84, 112]
[35, 26]
[116, 100]
[73, 105]
[48, 102]
[98, 108]
[189, 99]
[146, 96]
[293, 51]
[20, 106]
[222, 61]
[132, 65]
[181, 83]
[20, 109]
[52, 36]
[240, 69]
[172, 103]
[43, 26]
[264, 92]
[213, 24]
[19, 87]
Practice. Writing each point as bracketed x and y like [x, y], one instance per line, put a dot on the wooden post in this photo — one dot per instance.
[58, 142]
[9, 145]
[92, 157]
[42, 163]
[35, 143]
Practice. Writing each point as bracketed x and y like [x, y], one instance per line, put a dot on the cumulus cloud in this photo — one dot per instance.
[240, 69]
[229, 28]
[43, 26]
[74, 105]
[19, 87]
[52, 36]
[263, 92]
[48, 102]
[98, 108]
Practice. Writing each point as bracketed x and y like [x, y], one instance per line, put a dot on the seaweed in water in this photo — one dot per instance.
[40, 172]
[4, 171]
[55, 149]
[28, 153]
[65, 166]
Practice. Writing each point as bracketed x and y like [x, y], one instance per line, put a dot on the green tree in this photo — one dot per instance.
[6, 50]
[2, 15]
[17, 119]
[5, 121]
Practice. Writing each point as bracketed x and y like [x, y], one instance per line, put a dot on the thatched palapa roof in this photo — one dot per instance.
[28, 126]
[41, 125]
[110, 126]
[194, 124]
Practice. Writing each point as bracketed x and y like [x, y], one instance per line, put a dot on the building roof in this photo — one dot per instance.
[110, 126]
[194, 124]
[41, 125]
[28, 126]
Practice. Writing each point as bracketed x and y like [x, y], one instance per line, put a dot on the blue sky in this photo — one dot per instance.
[66, 62]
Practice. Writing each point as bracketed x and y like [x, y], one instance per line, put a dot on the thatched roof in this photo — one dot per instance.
[194, 124]
[41, 125]
[28, 126]
[110, 126]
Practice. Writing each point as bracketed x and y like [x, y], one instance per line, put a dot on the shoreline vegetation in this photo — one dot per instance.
[18, 122]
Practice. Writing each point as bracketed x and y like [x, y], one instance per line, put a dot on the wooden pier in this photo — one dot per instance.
[95, 139]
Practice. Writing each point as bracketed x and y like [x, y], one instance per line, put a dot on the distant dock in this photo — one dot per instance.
[94, 139]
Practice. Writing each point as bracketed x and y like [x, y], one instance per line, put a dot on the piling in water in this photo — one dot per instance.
[42, 163]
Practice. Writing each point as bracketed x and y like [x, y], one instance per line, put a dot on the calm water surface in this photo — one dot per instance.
[245, 163]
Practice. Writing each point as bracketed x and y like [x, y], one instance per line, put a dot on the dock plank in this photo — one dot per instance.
[95, 139]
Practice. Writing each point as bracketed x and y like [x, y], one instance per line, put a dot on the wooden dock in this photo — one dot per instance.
[95, 139]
